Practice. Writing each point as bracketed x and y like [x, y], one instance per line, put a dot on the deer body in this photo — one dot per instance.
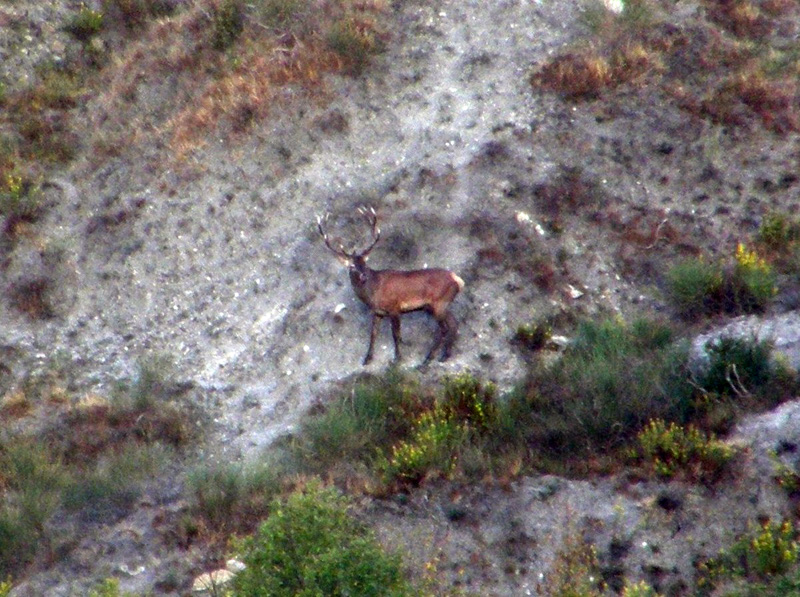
[390, 293]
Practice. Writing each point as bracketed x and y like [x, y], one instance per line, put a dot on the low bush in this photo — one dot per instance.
[698, 288]
[695, 287]
[232, 497]
[778, 232]
[737, 366]
[640, 589]
[311, 545]
[355, 41]
[431, 449]
[106, 490]
[671, 450]
[533, 336]
[31, 478]
[228, 24]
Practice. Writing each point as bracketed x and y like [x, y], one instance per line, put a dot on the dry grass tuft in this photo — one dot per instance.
[32, 298]
[15, 405]
[251, 90]
[734, 68]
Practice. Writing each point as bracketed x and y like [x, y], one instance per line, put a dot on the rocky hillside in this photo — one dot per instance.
[184, 227]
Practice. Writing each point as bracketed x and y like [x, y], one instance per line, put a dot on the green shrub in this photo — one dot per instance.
[30, 481]
[772, 550]
[432, 447]
[133, 14]
[108, 587]
[737, 366]
[640, 589]
[153, 381]
[278, 13]
[673, 449]
[311, 546]
[767, 553]
[19, 198]
[575, 571]
[753, 280]
[108, 490]
[777, 232]
[698, 288]
[85, 24]
[228, 24]
[467, 400]
[695, 287]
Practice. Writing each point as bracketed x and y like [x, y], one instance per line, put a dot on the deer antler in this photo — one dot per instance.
[340, 252]
[372, 219]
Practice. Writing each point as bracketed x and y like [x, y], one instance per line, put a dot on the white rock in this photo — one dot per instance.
[210, 582]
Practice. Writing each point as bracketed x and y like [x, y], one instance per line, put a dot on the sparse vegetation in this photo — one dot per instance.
[92, 462]
[575, 572]
[640, 45]
[762, 562]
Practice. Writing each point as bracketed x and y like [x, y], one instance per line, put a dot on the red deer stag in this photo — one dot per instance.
[390, 293]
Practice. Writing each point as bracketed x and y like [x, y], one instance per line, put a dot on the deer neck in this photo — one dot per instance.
[363, 280]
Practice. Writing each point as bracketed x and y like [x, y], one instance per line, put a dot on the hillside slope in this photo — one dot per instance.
[545, 207]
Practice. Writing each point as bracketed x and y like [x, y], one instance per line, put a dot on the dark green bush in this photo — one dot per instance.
[745, 285]
[228, 23]
[85, 24]
[737, 365]
[229, 496]
[311, 546]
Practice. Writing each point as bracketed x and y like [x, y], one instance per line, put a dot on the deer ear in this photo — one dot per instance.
[344, 260]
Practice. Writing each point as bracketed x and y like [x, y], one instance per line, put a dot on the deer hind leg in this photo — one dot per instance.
[441, 332]
[450, 334]
[376, 320]
[395, 320]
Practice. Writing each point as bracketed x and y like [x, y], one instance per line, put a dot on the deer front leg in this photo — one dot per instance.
[376, 320]
[396, 335]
